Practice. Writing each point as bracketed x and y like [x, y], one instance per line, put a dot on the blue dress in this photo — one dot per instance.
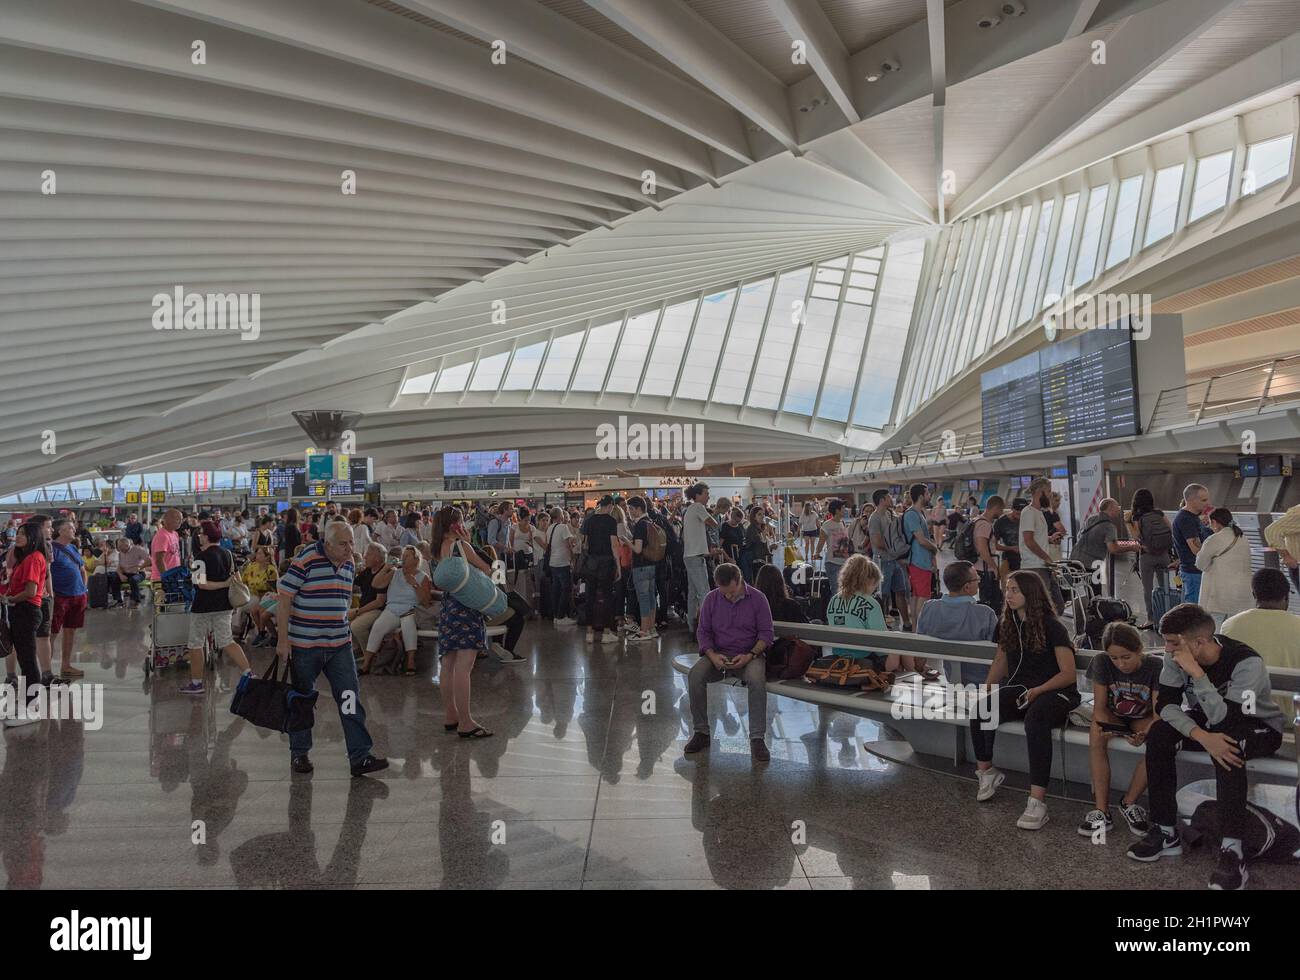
[459, 627]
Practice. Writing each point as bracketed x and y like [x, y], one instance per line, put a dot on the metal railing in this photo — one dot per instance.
[1247, 390]
[943, 448]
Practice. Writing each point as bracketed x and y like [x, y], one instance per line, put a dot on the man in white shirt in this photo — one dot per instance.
[1034, 536]
[696, 523]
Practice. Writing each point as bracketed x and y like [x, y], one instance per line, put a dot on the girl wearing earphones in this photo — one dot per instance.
[1032, 679]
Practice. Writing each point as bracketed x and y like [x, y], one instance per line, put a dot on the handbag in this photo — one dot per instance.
[847, 672]
[271, 702]
[238, 593]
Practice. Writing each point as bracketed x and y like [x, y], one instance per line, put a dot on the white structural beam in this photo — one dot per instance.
[1267, 70]
[1133, 50]
[805, 21]
[934, 19]
[553, 41]
[694, 45]
[362, 35]
[1082, 15]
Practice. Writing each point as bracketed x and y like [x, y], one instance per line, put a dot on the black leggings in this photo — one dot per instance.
[600, 591]
[1231, 785]
[24, 618]
[1045, 712]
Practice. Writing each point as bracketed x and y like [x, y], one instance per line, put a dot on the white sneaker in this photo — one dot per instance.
[21, 722]
[567, 621]
[637, 637]
[1035, 815]
[990, 780]
[609, 636]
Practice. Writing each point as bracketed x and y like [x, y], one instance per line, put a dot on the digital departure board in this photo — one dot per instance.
[273, 478]
[1080, 389]
[1011, 403]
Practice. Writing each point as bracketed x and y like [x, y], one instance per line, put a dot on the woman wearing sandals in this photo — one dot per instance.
[409, 587]
[461, 630]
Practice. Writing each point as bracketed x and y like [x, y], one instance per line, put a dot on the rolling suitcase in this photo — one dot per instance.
[1162, 600]
[97, 591]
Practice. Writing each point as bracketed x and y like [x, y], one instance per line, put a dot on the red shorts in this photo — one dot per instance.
[69, 611]
[921, 580]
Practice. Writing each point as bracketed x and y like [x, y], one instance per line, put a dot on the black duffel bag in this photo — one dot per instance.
[270, 702]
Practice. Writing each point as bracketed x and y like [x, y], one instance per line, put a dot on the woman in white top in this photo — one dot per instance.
[1224, 563]
[520, 541]
[409, 587]
[809, 524]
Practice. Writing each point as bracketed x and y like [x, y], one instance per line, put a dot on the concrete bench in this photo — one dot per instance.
[922, 713]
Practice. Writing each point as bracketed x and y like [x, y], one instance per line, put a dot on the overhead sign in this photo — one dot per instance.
[320, 468]
[157, 496]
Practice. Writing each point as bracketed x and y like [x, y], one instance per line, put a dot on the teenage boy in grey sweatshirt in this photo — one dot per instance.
[1230, 714]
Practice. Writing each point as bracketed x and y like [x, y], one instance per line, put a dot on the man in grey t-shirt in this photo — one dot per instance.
[890, 550]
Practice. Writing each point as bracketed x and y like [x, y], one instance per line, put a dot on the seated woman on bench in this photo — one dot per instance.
[1125, 681]
[1032, 678]
[855, 606]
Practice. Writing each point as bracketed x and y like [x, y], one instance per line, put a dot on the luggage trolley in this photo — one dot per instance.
[169, 625]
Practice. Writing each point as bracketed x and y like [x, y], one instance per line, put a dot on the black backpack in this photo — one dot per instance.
[963, 548]
[1157, 536]
[1267, 838]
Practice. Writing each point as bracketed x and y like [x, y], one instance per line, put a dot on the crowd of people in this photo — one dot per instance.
[330, 588]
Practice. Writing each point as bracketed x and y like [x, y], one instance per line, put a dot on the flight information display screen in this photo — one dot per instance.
[1088, 387]
[271, 478]
[492, 462]
[1080, 389]
[1011, 403]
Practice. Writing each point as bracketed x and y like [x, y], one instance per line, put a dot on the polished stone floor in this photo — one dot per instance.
[584, 786]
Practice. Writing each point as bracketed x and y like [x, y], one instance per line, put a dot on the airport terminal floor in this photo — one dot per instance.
[650, 445]
[579, 788]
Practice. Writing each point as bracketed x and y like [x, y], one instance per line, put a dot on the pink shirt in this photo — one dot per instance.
[169, 543]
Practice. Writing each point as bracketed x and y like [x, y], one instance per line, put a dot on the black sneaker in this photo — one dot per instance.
[1096, 821]
[758, 750]
[300, 763]
[1157, 844]
[368, 765]
[699, 741]
[1230, 873]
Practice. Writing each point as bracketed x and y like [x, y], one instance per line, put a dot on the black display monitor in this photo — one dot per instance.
[1083, 388]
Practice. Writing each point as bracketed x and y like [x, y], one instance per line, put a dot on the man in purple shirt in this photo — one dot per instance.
[734, 633]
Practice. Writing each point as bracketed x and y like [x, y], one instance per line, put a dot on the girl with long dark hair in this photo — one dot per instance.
[1152, 530]
[1033, 679]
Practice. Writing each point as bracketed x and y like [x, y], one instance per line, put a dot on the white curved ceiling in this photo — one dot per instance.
[522, 182]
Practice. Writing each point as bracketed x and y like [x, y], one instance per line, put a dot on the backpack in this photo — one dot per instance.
[898, 544]
[789, 658]
[1156, 534]
[1267, 838]
[656, 541]
[963, 548]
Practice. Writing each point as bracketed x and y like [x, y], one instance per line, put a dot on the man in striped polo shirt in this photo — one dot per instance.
[312, 613]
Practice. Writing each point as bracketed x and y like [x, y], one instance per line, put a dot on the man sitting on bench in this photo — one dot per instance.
[1231, 715]
[734, 632]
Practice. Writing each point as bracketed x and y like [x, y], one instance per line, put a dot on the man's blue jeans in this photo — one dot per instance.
[1191, 586]
[340, 669]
